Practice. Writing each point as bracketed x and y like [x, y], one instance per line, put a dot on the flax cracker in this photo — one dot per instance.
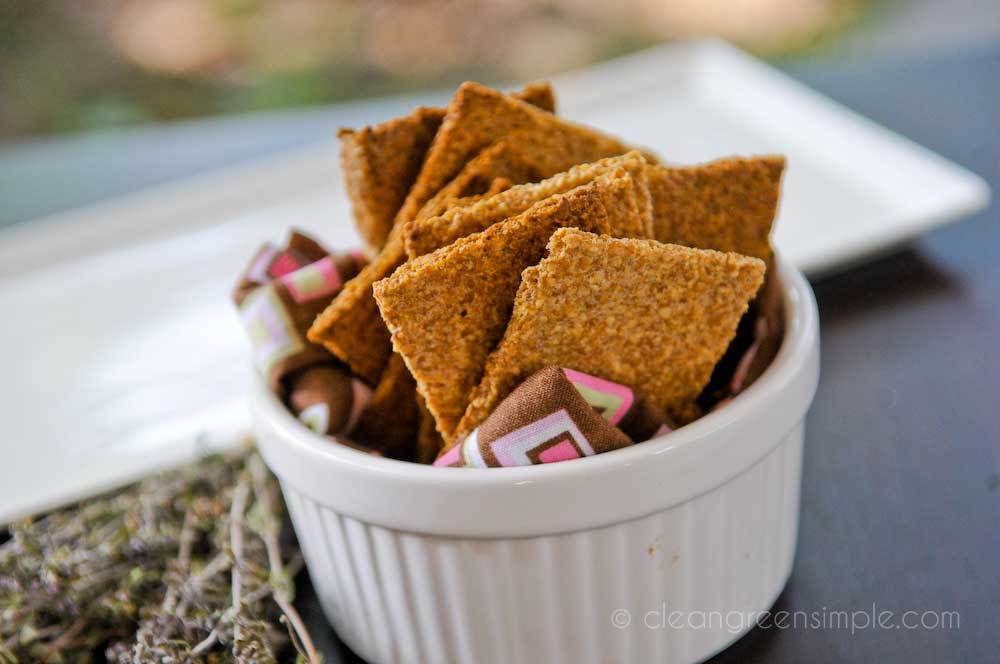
[425, 234]
[477, 117]
[652, 316]
[496, 186]
[381, 162]
[501, 161]
[727, 205]
[350, 327]
[447, 310]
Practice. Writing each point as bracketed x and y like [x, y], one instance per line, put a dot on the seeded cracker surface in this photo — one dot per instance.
[351, 327]
[728, 205]
[653, 316]
[499, 161]
[381, 162]
[447, 310]
[425, 234]
[478, 116]
[624, 197]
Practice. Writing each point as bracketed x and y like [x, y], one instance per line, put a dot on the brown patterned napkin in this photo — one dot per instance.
[556, 415]
[327, 399]
[278, 296]
[757, 342]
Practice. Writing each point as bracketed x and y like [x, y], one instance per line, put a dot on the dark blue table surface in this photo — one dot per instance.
[901, 477]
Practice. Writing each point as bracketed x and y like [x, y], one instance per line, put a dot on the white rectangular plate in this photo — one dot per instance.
[123, 353]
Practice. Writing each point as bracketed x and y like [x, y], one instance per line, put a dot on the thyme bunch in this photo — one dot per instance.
[189, 566]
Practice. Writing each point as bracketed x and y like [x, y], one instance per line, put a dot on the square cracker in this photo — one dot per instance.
[477, 117]
[500, 161]
[350, 327]
[447, 310]
[655, 317]
[428, 233]
[381, 162]
[727, 205]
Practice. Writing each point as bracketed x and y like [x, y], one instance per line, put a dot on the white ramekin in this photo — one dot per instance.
[661, 552]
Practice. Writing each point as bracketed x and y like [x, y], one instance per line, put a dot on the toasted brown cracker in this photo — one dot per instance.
[447, 310]
[655, 317]
[624, 196]
[424, 235]
[350, 327]
[727, 205]
[540, 95]
[380, 163]
[499, 161]
[495, 187]
[478, 116]
[389, 422]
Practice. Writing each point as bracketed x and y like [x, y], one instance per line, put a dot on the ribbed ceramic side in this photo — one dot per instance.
[395, 596]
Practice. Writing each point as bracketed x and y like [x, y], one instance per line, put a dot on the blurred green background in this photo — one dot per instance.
[71, 65]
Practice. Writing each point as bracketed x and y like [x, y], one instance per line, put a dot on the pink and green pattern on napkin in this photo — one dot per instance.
[557, 415]
[278, 297]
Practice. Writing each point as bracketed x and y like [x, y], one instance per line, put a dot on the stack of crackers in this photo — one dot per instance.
[504, 239]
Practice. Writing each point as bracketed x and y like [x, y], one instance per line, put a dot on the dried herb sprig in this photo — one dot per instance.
[188, 566]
